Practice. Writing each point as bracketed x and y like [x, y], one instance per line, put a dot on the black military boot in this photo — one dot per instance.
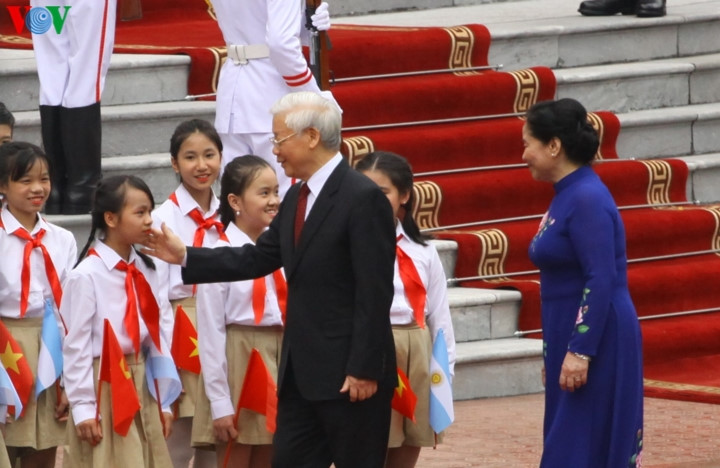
[51, 131]
[82, 130]
[651, 8]
[607, 7]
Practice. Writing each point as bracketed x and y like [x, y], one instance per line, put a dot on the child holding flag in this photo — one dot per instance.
[36, 258]
[234, 318]
[191, 212]
[420, 299]
[115, 321]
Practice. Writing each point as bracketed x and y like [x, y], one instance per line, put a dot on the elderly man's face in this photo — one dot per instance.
[291, 149]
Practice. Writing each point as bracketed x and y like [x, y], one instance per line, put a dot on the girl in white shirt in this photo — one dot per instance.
[191, 212]
[234, 318]
[36, 258]
[111, 282]
[416, 315]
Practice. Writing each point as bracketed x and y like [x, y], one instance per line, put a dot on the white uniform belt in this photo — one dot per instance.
[241, 54]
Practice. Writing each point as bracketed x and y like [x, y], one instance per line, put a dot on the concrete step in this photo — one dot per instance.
[131, 79]
[553, 34]
[643, 85]
[502, 367]
[130, 129]
[704, 177]
[669, 132]
[484, 314]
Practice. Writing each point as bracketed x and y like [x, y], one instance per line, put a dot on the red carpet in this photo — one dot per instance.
[682, 354]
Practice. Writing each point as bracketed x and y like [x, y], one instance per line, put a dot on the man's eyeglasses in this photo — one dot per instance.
[276, 143]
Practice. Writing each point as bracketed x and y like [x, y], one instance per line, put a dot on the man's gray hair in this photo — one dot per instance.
[307, 109]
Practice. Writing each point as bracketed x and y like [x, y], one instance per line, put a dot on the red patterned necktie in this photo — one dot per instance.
[139, 292]
[30, 244]
[300, 210]
[414, 289]
[260, 290]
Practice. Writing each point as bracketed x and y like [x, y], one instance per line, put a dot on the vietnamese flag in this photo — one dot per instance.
[14, 361]
[114, 370]
[404, 399]
[184, 348]
[259, 392]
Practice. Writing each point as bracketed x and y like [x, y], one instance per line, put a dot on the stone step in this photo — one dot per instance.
[484, 314]
[627, 87]
[130, 129]
[553, 34]
[502, 367]
[669, 132]
[131, 79]
[704, 177]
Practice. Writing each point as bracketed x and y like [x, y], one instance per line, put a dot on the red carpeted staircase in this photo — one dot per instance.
[462, 132]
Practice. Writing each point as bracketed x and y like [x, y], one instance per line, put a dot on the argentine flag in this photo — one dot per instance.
[441, 400]
[50, 361]
[160, 369]
[8, 395]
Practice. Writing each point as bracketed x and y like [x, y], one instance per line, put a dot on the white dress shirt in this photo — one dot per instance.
[61, 246]
[437, 311]
[176, 218]
[317, 181]
[95, 291]
[221, 304]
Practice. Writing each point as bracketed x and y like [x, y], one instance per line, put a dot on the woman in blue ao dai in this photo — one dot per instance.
[591, 334]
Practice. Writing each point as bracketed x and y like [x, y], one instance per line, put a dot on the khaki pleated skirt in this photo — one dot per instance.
[413, 349]
[193, 391]
[240, 341]
[37, 428]
[143, 446]
[4, 460]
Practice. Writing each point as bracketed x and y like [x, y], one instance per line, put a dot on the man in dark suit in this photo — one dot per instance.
[337, 370]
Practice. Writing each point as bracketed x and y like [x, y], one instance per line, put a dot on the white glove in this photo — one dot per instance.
[321, 18]
[329, 96]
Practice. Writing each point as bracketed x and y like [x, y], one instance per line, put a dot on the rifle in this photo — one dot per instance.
[130, 10]
[319, 47]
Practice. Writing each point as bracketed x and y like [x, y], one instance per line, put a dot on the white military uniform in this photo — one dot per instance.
[72, 65]
[246, 91]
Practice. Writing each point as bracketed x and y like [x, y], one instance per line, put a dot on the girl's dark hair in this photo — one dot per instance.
[16, 159]
[187, 128]
[399, 171]
[110, 196]
[567, 120]
[237, 177]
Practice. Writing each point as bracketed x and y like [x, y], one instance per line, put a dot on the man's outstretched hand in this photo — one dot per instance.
[165, 245]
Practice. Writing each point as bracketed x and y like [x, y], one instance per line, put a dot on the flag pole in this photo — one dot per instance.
[236, 416]
[157, 393]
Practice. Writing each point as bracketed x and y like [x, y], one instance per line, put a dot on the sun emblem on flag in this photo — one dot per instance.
[436, 378]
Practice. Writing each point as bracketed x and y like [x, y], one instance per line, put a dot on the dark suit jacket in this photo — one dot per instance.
[340, 283]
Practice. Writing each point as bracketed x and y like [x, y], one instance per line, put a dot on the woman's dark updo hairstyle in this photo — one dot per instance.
[237, 177]
[16, 159]
[567, 120]
[109, 196]
[187, 128]
[399, 171]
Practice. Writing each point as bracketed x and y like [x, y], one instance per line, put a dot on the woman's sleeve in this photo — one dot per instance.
[591, 228]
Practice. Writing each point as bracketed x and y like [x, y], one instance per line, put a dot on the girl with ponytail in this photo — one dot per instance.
[417, 313]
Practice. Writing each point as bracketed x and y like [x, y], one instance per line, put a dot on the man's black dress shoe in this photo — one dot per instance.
[607, 7]
[651, 8]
